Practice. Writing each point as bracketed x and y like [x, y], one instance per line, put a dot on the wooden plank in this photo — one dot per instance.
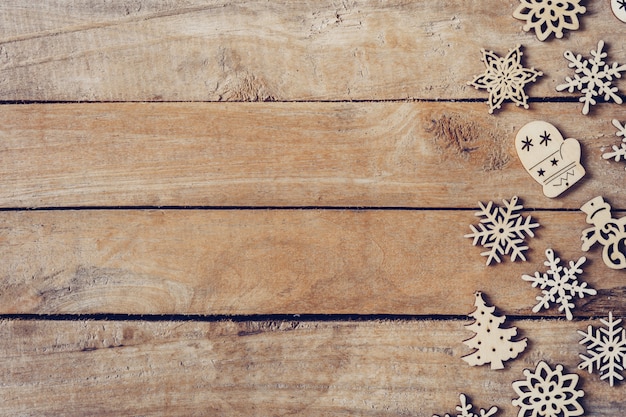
[242, 262]
[270, 368]
[202, 50]
[417, 154]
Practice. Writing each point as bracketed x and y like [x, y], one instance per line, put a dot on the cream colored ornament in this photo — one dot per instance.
[505, 78]
[619, 9]
[548, 17]
[551, 161]
[493, 344]
[548, 392]
[466, 409]
[607, 231]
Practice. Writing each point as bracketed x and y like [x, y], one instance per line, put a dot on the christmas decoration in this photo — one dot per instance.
[592, 77]
[493, 344]
[562, 284]
[548, 393]
[550, 160]
[618, 153]
[607, 231]
[619, 9]
[466, 409]
[547, 17]
[505, 78]
[607, 350]
[502, 230]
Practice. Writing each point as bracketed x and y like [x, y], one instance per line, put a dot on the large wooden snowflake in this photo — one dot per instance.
[559, 284]
[505, 78]
[592, 77]
[619, 153]
[502, 230]
[466, 410]
[548, 393]
[606, 349]
[547, 16]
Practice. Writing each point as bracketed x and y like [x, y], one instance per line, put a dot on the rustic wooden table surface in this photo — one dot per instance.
[258, 208]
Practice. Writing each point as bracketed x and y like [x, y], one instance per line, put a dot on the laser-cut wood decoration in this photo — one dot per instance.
[607, 231]
[560, 284]
[618, 7]
[493, 343]
[549, 159]
[502, 230]
[505, 78]
[465, 409]
[619, 152]
[606, 349]
[592, 77]
[549, 17]
[548, 392]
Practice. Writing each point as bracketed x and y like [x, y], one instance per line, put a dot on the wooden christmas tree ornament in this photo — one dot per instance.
[493, 344]
[549, 159]
[607, 231]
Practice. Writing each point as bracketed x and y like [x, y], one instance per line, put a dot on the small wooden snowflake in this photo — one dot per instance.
[466, 409]
[505, 78]
[606, 349]
[559, 284]
[548, 392]
[592, 77]
[619, 153]
[502, 230]
[547, 16]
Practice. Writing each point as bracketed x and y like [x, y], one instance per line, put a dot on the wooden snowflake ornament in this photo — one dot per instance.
[607, 231]
[549, 17]
[502, 230]
[465, 409]
[505, 78]
[619, 153]
[592, 77]
[619, 9]
[549, 159]
[606, 349]
[493, 344]
[559, 284]
[548, 392]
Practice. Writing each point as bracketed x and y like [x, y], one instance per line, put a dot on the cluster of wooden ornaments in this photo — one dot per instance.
[554, 162]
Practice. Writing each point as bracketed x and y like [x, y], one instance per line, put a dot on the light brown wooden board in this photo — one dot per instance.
[289, 154]
[270, 368]
[276, 262]
[279, 50]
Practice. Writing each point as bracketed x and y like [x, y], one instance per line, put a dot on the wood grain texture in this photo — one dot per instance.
[276, 262]
[270, 368]
[201, 50]
[289, 154]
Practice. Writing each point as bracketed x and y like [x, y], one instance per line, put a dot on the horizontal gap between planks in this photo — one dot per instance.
[567, 99]
[262, 317]
[269, 208]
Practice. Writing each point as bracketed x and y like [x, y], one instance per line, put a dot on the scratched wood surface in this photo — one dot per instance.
[255, 208]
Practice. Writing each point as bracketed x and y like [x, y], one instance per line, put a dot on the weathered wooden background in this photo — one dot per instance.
[257, 208]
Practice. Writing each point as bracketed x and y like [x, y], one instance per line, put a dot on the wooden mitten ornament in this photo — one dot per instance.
[607, 231]
[551, 161]
[493, 344]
